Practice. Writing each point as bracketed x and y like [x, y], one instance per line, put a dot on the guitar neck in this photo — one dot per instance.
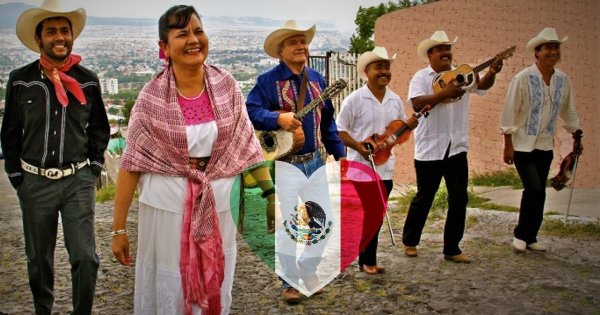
[484, 65]
[312, 105]
[329, 92]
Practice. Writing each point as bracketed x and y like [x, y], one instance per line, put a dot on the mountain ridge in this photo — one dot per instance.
[9, 13]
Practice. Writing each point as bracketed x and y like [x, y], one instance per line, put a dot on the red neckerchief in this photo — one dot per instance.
[62, 81]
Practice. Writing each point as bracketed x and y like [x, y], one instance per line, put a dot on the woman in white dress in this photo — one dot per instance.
[188, 138]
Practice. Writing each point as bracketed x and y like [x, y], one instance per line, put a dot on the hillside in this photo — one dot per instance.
[10, 11]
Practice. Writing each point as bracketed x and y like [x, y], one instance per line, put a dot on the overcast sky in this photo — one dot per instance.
[341, 12]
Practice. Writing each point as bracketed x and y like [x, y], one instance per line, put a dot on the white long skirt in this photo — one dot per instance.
[158, 288]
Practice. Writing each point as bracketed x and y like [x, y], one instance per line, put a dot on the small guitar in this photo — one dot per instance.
[464, 75]
[280, 143]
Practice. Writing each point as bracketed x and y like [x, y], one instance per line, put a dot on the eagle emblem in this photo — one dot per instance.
[308, 224]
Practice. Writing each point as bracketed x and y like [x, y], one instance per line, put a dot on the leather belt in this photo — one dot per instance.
[55, 172]
[300, 158]
[199, 163]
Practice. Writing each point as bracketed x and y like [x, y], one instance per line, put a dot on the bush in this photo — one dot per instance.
[106, 193]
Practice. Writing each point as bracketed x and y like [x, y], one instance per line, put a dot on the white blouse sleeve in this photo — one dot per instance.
[419, 85]
[512, 104]
[568, 112]
[345, 118]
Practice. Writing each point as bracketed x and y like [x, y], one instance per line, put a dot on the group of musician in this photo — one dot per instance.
[536, 98]
[190, 136]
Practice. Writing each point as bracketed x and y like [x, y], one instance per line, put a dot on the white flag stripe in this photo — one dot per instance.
[307, 245]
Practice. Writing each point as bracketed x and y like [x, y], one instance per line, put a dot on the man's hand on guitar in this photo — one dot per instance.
[453, 91]
[288, 122]
[496, 66]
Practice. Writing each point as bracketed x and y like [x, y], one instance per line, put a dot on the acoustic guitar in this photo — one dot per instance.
[280, 143]
[464, 75]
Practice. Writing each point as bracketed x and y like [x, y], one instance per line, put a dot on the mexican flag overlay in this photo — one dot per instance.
[311, 228]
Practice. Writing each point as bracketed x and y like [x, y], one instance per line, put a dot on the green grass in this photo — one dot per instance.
[471, 221]
[381, 293]
[362, 285]
[254, 219]
[507, 177]
[476, 201]
[440, 202]
[106, 193]
[558, 228]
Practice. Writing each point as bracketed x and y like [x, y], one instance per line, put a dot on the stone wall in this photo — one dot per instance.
[485, 28]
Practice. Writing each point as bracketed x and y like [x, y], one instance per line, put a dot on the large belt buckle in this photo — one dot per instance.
[53, 173]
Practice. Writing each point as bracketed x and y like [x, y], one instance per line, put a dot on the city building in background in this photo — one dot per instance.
[109, 85]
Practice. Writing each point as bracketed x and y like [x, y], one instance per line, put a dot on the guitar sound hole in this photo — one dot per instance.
[268, 141]
[460, 79]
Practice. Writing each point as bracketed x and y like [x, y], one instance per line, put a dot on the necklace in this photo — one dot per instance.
[193, 98]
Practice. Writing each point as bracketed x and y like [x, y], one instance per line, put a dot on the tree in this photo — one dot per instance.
[362, 40]
[127, 110]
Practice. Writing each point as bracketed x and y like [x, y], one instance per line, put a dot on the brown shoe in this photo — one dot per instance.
[411, 251]
[372, 270]
[291, 296]
[460, 258]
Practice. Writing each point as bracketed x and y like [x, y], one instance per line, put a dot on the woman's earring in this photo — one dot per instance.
[163, 56]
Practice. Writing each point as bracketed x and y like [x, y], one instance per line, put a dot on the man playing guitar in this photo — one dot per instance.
[441, 145]
[281, 88]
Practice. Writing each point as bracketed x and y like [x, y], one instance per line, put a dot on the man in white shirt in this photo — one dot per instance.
[364, 112]
[441, 145]
[536, 97]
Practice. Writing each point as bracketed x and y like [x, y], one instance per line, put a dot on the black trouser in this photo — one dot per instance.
[41, 202]
[455, 171]
[533, 168]
[369, 255]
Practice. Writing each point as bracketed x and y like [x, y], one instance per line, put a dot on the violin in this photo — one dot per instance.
[568, 164]
[396, 132]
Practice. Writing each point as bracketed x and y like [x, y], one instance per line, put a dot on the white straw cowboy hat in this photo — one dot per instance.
[438, 38]
[547, 35]
[290, 28]
[378, 53]
[30, 18]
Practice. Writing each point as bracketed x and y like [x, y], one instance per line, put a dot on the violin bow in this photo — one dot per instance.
[389, 223]
[577, 153]
[572, 187]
